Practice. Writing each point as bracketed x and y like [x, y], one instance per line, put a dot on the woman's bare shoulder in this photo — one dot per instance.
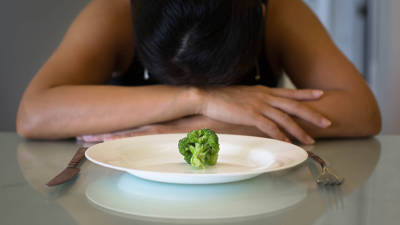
[304, 48]
[113, 20]
[98, 42]
[279, 19]
[106, 24]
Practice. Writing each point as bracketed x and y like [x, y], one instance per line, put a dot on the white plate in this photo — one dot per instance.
[157, 158]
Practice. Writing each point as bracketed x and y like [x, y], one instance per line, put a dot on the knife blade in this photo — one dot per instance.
[71, 170]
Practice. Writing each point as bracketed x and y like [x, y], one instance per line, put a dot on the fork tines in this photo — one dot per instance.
[331, 182]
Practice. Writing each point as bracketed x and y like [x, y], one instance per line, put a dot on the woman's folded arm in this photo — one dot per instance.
[351, 115]
[310, 58]
[68, 95]
[72, 110]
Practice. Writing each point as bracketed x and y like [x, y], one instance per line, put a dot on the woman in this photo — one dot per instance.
[206, 63]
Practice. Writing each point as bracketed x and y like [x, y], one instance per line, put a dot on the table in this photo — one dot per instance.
[369, 196]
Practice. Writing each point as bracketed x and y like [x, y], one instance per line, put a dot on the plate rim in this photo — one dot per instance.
[129, 170]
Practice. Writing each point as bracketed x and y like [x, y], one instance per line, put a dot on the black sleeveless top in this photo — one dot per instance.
[261, 74]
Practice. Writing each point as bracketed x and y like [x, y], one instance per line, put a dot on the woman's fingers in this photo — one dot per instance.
[288, 124]
[79, 138]
[118, 137]
[108, 136]
[303, 94]
[259, 106]
[270, 128]
[295, 108]
[141, 131]
[96, 137]
[126, 135]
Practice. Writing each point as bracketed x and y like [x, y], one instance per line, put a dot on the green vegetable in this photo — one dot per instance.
[200, 148]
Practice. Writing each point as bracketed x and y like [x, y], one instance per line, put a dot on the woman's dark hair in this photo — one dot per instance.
[198, 42]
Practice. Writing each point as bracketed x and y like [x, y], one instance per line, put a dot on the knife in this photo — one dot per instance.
[71, 170]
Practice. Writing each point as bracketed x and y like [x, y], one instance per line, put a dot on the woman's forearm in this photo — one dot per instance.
[68, 111]
[351, 115]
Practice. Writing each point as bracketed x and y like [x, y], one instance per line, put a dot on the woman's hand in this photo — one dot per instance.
[183, 125]
[110, 136]
[268, 109]
[246, 110]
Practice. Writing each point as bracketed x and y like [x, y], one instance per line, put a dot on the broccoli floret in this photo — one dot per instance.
[200, 148]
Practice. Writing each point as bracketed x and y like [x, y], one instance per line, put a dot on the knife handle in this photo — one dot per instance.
[317, 159]
[79, 155]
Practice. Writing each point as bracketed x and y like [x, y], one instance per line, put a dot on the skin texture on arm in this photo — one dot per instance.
[67, 97]
[305, 51]
[181, 125]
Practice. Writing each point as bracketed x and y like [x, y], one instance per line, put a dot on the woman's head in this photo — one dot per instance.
[198, 42]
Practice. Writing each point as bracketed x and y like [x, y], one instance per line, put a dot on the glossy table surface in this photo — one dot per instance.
[369, 195]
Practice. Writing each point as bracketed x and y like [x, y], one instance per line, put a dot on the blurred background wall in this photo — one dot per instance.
[30, 30]
[367, 31]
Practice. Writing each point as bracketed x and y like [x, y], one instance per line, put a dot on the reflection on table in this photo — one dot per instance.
[132, 195]
[254, 201]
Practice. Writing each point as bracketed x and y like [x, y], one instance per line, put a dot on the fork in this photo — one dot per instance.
[326, 178]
